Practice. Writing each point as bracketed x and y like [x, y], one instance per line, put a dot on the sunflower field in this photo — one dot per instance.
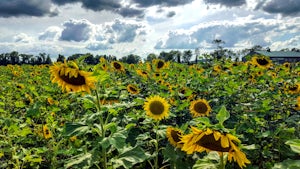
[213, 115]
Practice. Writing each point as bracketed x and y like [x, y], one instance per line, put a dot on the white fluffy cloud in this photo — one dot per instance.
[253, 32]
[23, 38]
[51, 33]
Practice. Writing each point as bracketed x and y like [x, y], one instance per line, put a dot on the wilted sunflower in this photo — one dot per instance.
[200, 107]
[133, 89]
[71, 78]
[118, 66]
[156, 107]
[213, 140]
[262, 61]
[47, 133]
[174, 136]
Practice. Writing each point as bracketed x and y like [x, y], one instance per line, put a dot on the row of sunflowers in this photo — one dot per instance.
[217, 114]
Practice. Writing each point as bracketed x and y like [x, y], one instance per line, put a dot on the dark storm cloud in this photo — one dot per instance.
[10, 8]
[76, 30]
[227, 3]
[286, 8]
[169, 3]
[130, 12]
[108, 5]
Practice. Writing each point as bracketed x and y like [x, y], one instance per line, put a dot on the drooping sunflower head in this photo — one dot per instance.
[213, 140]
[156, 107]
[200, 107]
[133, 89]
[71, 78]
[117, 66]
[174, 136]
[262, 61]
[47, 133]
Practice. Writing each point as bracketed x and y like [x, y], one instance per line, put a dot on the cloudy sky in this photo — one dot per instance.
[122, 27]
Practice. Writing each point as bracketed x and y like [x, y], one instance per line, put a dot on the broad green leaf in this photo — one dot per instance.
[80, 161]
[129, 157]
[118, 139]
[294, 144]
[222, 115]
[72, 129]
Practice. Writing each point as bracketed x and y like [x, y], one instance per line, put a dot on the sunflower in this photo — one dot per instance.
[294, 89]
[47, 133]
[156, 107]
[213, 140]
[286, 65]
[104, 66]
[200, 107]
[262, 61]
[159, 64]
[102, 59]
[133, 89]
[174, 136]
[71, 78]
[142, 73]
[297, 105]
[118, 66]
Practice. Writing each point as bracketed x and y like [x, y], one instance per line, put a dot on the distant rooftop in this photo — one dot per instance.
[278, 53]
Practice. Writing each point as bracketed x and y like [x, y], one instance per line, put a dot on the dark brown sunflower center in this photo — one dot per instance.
[293, 88]
[117, 66]
[160, 64]
[133, 89]
[262, 61]
[175, 136]
[200, 108]
[157, 107]
[77, 81]
[209, 142]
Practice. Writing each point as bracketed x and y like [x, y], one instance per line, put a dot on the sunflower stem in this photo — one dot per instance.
[222, 165]
[102, 130]
[156, 146]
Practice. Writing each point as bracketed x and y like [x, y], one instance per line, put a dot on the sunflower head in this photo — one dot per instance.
[262, 61]
[174, 136]
[200, 107]
[71, 78]
[117, 66]
[156, 107]
[213, 140]
[47, 133]
[133, 89]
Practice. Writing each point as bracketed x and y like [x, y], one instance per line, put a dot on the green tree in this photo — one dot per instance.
[187, 55]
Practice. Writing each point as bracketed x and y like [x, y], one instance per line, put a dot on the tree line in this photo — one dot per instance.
[174, 55]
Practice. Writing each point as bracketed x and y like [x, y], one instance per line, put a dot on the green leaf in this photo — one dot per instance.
[73, 129]
[288, 164]
[222, 115]
[118, 139]
[129, 157]
[294, 144]
[79, 161]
